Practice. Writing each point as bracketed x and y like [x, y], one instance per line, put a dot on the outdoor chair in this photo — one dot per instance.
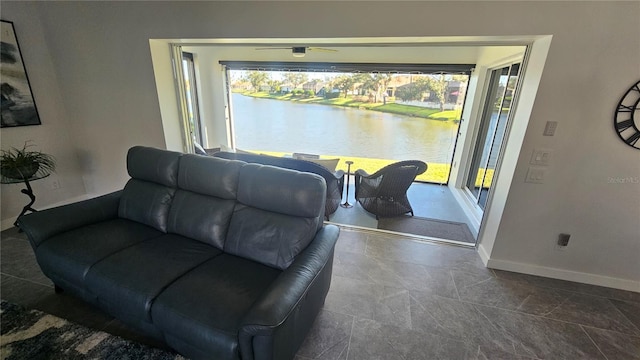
[384, 193]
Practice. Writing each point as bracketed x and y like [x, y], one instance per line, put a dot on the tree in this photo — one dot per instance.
[329, 85]
[344, 83]
[257, 78]
[410, 92]
[381, 82]
[440, 86]
[274, 85]
[369, 86]
[364, 82]
[296, 78]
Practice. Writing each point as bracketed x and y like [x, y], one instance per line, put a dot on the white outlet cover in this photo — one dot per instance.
[536, 175]
[541, 157]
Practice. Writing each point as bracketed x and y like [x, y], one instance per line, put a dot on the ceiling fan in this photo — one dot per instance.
[299, 51]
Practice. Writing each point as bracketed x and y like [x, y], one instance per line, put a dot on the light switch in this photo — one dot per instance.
[540, 157]
[535, 175]
[550, 128]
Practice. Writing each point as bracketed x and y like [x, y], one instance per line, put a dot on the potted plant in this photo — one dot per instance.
[23, 164]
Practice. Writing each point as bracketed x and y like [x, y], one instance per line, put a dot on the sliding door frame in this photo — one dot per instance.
[458, 186]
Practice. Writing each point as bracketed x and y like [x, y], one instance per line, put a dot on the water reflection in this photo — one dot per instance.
[285, 126]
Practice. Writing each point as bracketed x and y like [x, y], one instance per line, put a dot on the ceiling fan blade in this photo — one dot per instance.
[321, 49]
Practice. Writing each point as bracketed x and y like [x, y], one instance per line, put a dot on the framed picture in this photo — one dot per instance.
[18, 107]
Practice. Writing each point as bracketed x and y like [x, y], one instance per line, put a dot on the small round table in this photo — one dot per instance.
[346, 201]
[28, 191]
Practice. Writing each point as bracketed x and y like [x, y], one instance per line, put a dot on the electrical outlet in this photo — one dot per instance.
[540, 157]
[563, 241]
[535, 175]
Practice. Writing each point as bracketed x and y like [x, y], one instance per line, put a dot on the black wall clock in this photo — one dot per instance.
[627, 117]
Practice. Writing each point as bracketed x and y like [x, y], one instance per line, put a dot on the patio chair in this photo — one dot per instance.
[384, 193]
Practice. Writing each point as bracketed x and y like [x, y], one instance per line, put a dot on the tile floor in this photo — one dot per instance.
[397, 298]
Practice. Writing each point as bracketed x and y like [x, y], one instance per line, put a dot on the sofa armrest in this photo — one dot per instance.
[42, 225]
[274, 320]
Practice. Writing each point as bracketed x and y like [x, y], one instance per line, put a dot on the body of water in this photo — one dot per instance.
[286, 126]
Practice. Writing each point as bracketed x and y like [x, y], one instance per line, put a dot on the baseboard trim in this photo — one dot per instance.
[8, 223]
[561, 274]
[484, 256]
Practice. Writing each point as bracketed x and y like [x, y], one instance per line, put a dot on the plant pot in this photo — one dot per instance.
[21, 173]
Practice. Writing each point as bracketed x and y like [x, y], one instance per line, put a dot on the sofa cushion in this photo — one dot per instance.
[269, 238]
[281, 190]
[200, 217]
[147, 203]
[220, 292]
[209, 176]
[278, 214]
[204, 201]
[153, 165]
[127, 282]
[70, 255]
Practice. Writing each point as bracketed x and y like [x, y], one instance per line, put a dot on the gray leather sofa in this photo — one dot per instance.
[219, 258]
[334, 180]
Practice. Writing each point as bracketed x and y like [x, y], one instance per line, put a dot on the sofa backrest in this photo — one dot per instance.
[277, 214]
[205, 198]
[264, 213]
[287, 163]
[147, 196]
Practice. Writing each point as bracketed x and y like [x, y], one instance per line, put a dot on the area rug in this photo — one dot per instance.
[32, 334]
[441, 229]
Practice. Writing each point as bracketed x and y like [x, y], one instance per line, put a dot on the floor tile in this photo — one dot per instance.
[395, 273]
[436, 281]
[595, 312]
[464, 279]
[615, 345]
[369, 301]
[329, 336]
[457, 320]
[423, 253]
[542, 338]
[571, 286]
[352, 241]
[511, 295]
[364, 268]
[17, 259]
[22, 292]
[629, 309]
[393, 297]
[12, 232]
[374, 340]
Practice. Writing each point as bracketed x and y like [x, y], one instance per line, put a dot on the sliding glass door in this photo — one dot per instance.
[493, 125]
[191, 97]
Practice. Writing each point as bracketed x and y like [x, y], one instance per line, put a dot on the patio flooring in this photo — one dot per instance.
[432, 201]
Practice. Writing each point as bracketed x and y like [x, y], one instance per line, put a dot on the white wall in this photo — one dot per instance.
[54, 136]
[100, 54]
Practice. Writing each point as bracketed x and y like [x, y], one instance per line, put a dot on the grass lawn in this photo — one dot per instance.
[393, 108]
[436, 172]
